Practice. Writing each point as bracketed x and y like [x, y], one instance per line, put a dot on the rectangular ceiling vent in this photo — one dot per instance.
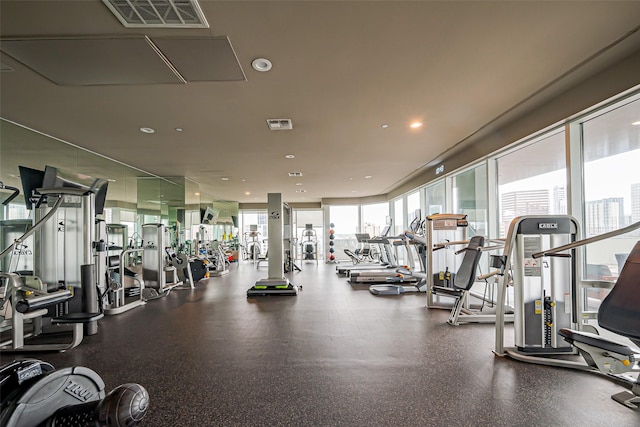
[280, 124]
[158, 13]
[295, 173]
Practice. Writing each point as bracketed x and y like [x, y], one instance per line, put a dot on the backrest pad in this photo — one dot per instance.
[466, 274]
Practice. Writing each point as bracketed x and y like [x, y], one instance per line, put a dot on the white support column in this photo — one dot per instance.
[275, 235]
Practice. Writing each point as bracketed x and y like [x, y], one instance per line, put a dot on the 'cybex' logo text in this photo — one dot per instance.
[547, 225]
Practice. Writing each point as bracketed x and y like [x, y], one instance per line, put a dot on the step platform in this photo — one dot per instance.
[266, 287]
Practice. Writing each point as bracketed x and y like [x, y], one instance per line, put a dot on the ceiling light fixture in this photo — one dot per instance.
[290, 156]
[178, 129]
[147, 130]
[384, 126]
[298, 183]
[261, 64]
[225, 178]
[368, 177]
[415, 125]
[196, 194]
[636, 123]
[247, 193]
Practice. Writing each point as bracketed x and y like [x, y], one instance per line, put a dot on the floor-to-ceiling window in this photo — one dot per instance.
[309, 233]
[611, 147]
[374, 218]
[436, 198]
[532, 180]
[398, 227]
[345, 220]
[470, 198]
[254, 232]
[413, 207]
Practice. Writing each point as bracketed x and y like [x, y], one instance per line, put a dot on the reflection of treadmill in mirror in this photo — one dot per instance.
[365, 240]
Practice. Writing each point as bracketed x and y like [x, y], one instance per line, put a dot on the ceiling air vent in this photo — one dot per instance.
[158, 13]
[280, 124]
[295, 173]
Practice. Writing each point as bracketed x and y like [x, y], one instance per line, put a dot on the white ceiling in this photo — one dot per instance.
[341, 69]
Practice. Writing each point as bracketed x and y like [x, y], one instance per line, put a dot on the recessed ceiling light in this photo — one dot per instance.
[225, 178]
[354, 191]
[147, 130]
[298, 183]
[178, 129]
[111, 180]
[261, 64]
[301, 191]
[244, 180]
[247, 193]
[384, 126]
[415, 125]
[636, 123]
[196, 194]
[290, 156]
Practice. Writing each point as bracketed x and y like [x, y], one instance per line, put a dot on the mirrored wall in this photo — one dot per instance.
[134, 197]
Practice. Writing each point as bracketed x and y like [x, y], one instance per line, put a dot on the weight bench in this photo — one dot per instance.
[618, 313]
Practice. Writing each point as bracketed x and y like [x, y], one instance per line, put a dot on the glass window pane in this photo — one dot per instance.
[308, 237]
[470, 198]
[398, 217]
[611, 143]
[345, 221]
[374, 218]
[413, 204]
[532, 180]
[435, 195]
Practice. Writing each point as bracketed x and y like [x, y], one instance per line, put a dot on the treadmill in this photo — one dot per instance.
[386, 255]
[385, 275]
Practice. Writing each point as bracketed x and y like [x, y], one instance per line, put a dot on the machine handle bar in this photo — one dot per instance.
[35, 227]
[15, 193]
[608, 235]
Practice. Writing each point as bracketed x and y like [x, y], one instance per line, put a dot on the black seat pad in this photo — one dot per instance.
[77, 318]
[595, 341]
[620, 310]
[442, 290]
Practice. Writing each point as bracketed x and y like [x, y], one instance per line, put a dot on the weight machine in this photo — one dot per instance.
[160, 264]
[64, 285]
[551, 300]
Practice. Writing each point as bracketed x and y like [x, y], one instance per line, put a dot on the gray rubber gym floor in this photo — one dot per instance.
[333, 355]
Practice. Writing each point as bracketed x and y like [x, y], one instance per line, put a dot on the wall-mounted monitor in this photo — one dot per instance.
[209, 215]
[31, 179]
